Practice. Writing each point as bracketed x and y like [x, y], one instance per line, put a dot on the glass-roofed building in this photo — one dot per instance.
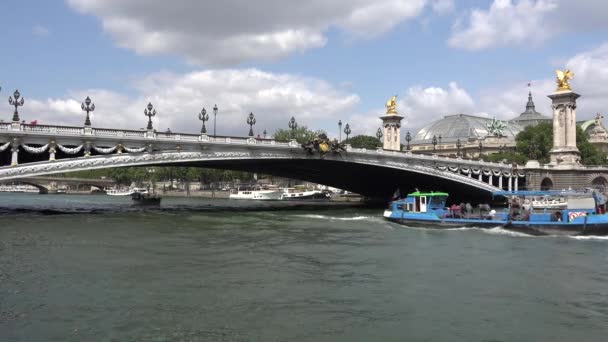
[469, 135]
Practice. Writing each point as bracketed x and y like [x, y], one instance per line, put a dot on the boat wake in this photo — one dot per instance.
[339, 218]
[589, 238]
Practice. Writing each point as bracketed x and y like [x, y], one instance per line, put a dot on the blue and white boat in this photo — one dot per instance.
[583, 213]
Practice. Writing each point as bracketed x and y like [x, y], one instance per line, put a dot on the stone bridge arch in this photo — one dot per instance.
[371, 174]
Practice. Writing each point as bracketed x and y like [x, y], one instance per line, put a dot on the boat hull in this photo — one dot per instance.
[592, 227]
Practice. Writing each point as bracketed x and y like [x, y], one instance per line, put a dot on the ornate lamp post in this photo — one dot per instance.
[214, 118]
[251, 122]
[149, 111]
[480, 148]
[87, 106]
[379, 135]
[265, 133]
[340, 129]
[408, 138]
[293, 125]
[347, 130]
[439, 139]
[203, 116]
[15, 101]
[434, 142]
[458, 146]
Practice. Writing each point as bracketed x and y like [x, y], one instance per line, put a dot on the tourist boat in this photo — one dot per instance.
[583, 214]
[261, 194]
[126, 192]
[146, 198]
[292, 194]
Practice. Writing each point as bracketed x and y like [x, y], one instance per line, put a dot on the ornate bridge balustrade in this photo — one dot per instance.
[360, 170]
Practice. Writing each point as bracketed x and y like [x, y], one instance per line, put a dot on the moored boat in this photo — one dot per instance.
[261, 195]
[140, 198]
[125, 191]
[583, 214]
[292, 194]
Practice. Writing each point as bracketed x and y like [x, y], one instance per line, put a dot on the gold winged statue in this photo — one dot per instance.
[391, 105]
[562, 79]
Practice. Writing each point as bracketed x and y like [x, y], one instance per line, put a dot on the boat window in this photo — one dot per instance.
[422, 200]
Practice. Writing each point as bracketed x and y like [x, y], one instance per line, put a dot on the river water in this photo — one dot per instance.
[94, 268]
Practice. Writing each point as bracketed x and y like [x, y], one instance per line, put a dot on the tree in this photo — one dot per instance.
[301, 134]
[364, 141]
[538, 140]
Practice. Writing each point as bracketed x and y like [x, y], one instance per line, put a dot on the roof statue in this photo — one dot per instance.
[391, 105]
[496, 127]
[562, 79]
[598, 119]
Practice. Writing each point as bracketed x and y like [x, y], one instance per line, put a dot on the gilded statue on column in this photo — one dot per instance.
[562, 79]
[391, 105]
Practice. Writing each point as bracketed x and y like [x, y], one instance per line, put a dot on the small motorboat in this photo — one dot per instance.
[582, 215]
[140, 198]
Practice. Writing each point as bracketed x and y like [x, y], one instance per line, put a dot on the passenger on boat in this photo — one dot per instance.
[557, 216]
[455, 211]
[491, 214]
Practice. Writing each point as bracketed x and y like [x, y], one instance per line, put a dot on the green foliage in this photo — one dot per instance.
[364, 141]
[540, 139]
[507, 157]
[301, 134]
[536, 140]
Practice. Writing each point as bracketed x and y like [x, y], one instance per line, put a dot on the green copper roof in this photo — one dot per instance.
[432, 193]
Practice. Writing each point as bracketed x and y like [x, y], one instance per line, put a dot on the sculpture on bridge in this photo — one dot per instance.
[391, 105]
[562, 79]
[322, 144]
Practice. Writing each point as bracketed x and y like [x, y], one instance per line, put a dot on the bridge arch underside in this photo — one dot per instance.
[378, 182]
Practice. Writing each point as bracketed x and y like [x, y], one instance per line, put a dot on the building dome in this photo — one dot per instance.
[530, 117]
[461, 126]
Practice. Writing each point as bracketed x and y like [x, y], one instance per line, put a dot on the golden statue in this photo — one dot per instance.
[562, 79]
[391, 105]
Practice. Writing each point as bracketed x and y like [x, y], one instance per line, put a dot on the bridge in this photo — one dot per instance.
[34, 150]
[46, 184]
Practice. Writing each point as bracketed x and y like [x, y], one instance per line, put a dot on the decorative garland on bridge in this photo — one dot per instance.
[103, 150]
[35, 150]
[69, 150]
[5, 146]
[135, 150]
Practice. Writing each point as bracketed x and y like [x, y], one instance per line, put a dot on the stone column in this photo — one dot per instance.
[564, 151]
[500, 182]
[515, 186]
[87, 149]
[490, 178]
[15, 155]
[510, 183]
[391, 124]
[480, 175]
[52, 150]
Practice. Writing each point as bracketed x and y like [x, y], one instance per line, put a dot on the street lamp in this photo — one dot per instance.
[203, 116]
[14, 101]
[214, 118]
[408, 138]
[293, 125]
[347, 130]
[149, 111]
[480, 148]
[458, 146]
[434, 142]
[340, 129]
[251, 122]
[87, 106]
[265, 133]
[379, 135]
[439, 139]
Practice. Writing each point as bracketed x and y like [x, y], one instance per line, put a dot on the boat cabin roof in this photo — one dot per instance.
[430, 194]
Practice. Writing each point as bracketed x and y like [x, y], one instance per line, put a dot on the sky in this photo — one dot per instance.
[319, 61]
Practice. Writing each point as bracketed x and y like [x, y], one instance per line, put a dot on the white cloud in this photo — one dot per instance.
[424, 105]
[504, 23]
[231, 31]
[512, 22]
[178, 98]
[40, 31]
[443, 6]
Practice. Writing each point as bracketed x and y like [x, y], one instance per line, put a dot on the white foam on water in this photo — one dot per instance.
[501, 231]
[324, 217]
[589, 237]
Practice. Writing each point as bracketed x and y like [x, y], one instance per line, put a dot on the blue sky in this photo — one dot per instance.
[316, 61]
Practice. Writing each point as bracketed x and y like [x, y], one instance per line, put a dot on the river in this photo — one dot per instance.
[94, 268]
